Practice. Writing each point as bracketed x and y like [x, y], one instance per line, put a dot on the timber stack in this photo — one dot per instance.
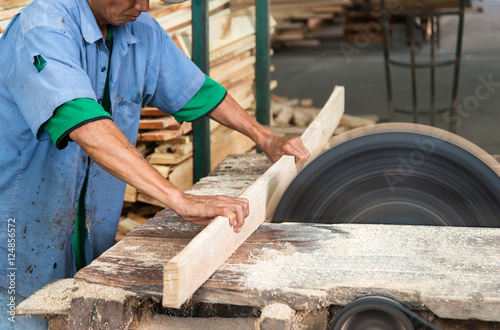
[297, 20]
[363, 19]
[167, 144]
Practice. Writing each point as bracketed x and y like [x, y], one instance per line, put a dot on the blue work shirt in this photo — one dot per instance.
[40, 185]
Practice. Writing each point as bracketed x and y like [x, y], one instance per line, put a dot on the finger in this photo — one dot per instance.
[230, 215]
[201, 222]
[240, 219]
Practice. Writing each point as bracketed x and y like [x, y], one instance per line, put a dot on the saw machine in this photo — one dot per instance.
[396, 173]
[399, 174]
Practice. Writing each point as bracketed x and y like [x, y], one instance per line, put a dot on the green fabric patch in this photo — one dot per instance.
[110, 32]
[39, 62]
[79, 237]
[210, 95]
[71, 115]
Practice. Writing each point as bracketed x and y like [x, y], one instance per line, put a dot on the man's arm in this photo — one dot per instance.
[229, 113]
[103, 141]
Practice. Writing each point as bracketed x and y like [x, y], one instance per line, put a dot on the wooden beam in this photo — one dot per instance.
[187, 271]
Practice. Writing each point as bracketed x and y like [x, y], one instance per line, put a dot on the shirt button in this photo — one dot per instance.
[99, 101]
[103, 69]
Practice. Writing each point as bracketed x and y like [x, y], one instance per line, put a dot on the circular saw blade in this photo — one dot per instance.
[396, 173]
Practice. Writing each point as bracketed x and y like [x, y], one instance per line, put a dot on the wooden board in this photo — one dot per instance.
[167, 122]
[165, 134]
[188, 270]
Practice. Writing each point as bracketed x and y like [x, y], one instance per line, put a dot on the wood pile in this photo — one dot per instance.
[411, 5]
[297, 20]
[165, 143]
[363, 19]
[292, 116]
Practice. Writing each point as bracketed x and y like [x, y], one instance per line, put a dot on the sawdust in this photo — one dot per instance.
[89, 290]
[53, 298]
[406, 262]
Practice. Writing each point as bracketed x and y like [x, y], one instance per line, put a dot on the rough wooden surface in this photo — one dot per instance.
[452, 271]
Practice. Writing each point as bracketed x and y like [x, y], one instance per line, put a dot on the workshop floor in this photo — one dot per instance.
[313, 72]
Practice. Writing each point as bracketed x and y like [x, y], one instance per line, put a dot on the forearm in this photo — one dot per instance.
[104, 142]
[229, 113]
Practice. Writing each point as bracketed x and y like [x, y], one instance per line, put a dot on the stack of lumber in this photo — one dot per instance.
[296, 20]
[165, 143]
[363, 19]
[291, 116]
[8, 9]
[411, 5]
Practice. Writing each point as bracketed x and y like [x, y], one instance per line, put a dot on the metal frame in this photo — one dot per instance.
[201, 57]
[263, 62]
[433, 64]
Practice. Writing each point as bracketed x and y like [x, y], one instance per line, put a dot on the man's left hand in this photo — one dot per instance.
[276, 147]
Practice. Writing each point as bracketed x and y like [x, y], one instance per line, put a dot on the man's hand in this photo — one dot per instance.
[230, 114]
[201, 210]
[275, 147]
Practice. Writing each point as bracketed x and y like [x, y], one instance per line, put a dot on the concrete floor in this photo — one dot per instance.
[313, 72]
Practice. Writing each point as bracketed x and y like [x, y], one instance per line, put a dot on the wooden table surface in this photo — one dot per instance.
[452, 271]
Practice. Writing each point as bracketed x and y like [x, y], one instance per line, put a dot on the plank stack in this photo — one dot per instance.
[167, 144]
[363, 19]
[297, 20]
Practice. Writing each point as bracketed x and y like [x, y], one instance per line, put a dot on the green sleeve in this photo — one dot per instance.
[210, 95]
[70, 116]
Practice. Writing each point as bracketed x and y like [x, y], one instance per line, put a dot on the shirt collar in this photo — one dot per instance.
[91, 32]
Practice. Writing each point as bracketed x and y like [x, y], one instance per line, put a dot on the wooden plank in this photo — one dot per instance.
[181, 18]
[152, 112]
[225, 141]
[168, 122]
[168, 158]
[130, 194]
[9, 4]
[182, 175]
[149, 200]
[165, 134]
[175, 148]
[188, 270]
[323, 126]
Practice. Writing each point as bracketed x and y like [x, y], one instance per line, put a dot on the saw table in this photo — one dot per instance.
[376, 179]
[446, 274]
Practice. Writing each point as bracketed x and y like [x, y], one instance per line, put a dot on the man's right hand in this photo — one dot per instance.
[203, 209]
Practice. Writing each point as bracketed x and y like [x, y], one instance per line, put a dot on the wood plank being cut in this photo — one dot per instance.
[188, 270]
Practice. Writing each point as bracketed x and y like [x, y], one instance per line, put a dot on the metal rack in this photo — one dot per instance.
[432, 65]
[201, 129]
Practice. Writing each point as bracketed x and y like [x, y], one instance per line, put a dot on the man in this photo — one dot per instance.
[74, 75]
